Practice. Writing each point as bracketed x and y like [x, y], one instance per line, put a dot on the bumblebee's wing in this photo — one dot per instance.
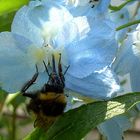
[44, 121]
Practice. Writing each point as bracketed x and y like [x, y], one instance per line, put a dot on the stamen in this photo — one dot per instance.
[60, 58]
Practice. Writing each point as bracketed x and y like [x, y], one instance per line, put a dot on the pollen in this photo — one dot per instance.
[38, 54]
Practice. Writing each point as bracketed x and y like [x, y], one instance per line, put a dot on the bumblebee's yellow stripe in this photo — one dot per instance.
[53, 96]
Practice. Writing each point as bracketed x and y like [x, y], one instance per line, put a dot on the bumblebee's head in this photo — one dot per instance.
[56, 80]
[55, 84]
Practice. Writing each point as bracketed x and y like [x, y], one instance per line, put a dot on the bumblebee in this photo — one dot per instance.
[49, 102]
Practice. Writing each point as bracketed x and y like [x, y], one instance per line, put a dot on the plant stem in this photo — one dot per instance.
[127, 25]
[13, 134]
[101, 137]
[117, 8]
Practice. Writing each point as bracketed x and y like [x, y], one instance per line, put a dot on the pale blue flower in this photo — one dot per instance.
[45, 28]
[137, 17]
[103, 5]
[125, 59]
[91, 65]
[98, 85]
[135, 67]
[127, 63]
[114, 128]
[120, 17]
[86, 7]
[25, 46]
[128, 59]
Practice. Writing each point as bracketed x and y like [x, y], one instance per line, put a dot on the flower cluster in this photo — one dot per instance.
[128, 59]
[84, 33]
[85, 40]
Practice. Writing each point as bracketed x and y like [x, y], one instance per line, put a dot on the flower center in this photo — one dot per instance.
[38, 55]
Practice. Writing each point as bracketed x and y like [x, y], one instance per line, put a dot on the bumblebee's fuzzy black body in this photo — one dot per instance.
[49, 102]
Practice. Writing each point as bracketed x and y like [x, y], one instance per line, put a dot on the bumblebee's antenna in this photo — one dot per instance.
[66, 69]
[53, 64]
[59, 65]
[46, 68]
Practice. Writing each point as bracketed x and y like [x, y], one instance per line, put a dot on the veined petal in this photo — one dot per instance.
[119, 18]
[128, 60]
[134, 76]
[69, 33]
[125, 58]
[23, 26]
[102, 7]
[90, 55]
[94, 52]
[102, 29]
[82, 25]
[99, 85]
[15, 67]
[73, 31]
[40, 21]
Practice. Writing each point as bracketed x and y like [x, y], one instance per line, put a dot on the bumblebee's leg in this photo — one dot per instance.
[28, 84]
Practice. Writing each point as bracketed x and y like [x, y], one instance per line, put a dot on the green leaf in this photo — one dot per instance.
[3, 96]
[76, 123]
[7, 6]
[5, 21]
[8, 9]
